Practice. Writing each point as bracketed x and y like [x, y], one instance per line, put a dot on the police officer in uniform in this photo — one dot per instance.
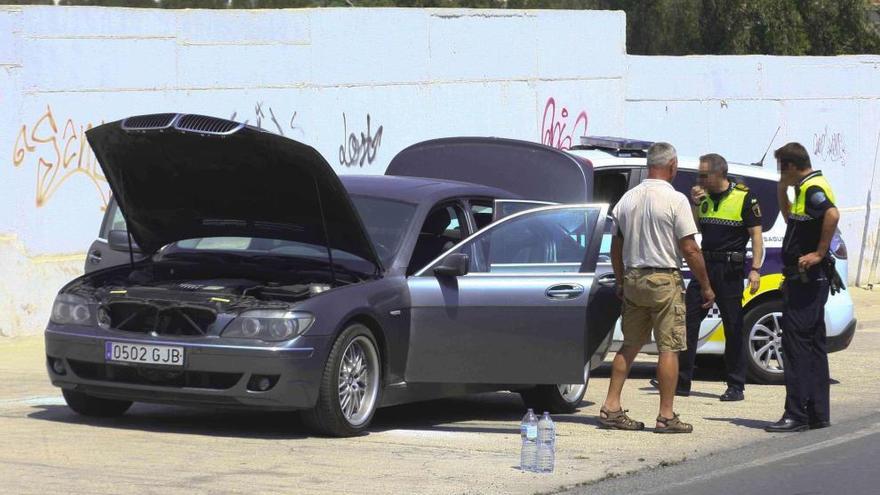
[729, 216]
[809, 273]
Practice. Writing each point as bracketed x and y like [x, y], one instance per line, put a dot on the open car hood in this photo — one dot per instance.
[178, 176]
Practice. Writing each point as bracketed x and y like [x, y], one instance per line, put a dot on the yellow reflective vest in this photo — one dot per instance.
[799, 207]
[727, 211]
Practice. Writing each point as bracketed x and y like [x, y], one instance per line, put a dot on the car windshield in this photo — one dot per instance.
[386, 222]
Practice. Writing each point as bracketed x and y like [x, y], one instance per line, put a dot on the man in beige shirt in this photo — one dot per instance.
[654, 228]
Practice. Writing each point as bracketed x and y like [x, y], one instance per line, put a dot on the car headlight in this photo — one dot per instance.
[70, 309]
[269, 325]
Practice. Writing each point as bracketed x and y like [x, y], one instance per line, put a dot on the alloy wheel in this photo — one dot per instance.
[358, 384]
[765, 343]
[572, 392]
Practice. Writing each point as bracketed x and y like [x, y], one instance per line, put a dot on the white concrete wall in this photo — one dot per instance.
[733, 105]
[326, 77]
[361, 84]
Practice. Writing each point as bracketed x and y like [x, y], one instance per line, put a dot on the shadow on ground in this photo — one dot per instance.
[491, 413]
[747, 423]
[498, 412]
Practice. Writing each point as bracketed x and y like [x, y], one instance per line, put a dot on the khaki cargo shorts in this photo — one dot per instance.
[654, 299]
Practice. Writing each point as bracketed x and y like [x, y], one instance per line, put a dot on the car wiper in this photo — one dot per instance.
[292, 260]
[203, 256]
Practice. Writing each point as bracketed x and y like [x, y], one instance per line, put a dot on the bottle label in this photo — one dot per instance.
[531, 432]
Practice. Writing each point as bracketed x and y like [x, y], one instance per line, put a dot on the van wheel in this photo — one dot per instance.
[557, 399]
[349, 391]
[762, 327]
[88, 405]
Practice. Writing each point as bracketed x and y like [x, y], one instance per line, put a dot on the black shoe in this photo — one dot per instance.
[679, 392]
[732, 395]
[786, 425]
[818, 425]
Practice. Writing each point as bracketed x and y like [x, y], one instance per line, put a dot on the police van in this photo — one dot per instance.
[620, 164]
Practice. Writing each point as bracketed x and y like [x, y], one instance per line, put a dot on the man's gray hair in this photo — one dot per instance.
[716, 163]
[660, 154]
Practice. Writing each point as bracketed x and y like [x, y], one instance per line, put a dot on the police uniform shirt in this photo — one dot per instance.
[729, 235]
[802, 235]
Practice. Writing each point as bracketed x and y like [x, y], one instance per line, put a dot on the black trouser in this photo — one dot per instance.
[807, 387]
[727, 282]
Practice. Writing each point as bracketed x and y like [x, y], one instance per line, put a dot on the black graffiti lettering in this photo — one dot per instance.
[354, 151]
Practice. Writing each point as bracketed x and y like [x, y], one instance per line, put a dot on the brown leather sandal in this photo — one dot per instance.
[618, 420]
[672, 425]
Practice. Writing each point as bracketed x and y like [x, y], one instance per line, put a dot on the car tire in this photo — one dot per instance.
[355, 367]
[88, 405]
[556, 399]
[762, 330]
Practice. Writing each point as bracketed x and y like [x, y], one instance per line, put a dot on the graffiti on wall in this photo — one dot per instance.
[58, 154]
[274, 121]
[355, 150]
[559, 129]
[829, 146]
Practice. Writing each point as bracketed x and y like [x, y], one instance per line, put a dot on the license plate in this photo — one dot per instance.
[163, 355]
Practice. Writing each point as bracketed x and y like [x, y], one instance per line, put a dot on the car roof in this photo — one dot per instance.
[602, 159]
[417, 190]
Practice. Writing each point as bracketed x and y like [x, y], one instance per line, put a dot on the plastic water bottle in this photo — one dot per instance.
[546, 444]
[528, 431]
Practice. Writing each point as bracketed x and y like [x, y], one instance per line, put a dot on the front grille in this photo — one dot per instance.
[138, 375]
[149, 318]
[206, 125]
[148, 122]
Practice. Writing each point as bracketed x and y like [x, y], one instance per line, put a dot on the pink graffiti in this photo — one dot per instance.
[555, 130]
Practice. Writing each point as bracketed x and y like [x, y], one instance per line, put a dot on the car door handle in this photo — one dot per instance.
[564, 291]
[95, 257]
[607, 280]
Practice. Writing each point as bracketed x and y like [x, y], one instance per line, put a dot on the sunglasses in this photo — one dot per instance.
[703, 176]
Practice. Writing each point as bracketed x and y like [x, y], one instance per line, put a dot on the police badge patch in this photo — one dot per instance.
[818, 198]
[756, 208]
[704, 207]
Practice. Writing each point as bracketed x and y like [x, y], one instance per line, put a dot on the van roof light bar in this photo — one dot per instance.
[615, 145]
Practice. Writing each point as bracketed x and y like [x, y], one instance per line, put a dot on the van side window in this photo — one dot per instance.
[765, 191]
[683, 182]
[610, 185]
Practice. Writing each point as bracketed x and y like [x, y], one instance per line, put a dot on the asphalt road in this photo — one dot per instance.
[843, 459]
[465, 445]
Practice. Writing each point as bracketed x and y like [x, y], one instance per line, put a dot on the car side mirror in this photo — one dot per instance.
[118, 241]
[454, 265]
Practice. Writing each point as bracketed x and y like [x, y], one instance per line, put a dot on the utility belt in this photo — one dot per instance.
[730, 257]
[825, 270]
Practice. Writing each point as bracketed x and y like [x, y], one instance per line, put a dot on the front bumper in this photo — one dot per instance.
[214, 373]
[842, 340]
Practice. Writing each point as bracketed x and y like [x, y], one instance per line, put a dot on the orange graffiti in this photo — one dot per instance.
[58, 156]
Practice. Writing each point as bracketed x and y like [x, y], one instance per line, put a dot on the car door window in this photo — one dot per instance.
[482, 211]
[444, 227]
[507, 207]
[551, 241]
[610, 185]
[113, 220]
